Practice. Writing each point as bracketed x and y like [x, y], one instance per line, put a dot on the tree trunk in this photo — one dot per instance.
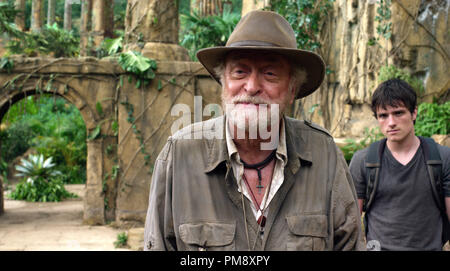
[51, 12]
[20, 19]
[68, 15]
[36, 15]
[85, 26]
[98, 21]
[207, 7]
[152, 26]
[109, 18]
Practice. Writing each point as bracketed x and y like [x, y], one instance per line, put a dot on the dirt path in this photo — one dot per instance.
[52, 226]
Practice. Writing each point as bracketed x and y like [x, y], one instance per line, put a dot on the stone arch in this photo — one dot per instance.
[94, 197]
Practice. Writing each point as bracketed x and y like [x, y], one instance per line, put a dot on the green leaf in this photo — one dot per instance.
[99, 108]
[113, 46]
[135, 61]
[115, 127]
[94, 134]
[159, 85]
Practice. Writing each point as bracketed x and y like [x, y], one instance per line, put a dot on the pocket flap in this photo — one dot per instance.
[207, 234]
[308, 225]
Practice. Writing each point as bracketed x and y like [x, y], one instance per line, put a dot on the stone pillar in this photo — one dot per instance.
[151, 27]
[94, 213]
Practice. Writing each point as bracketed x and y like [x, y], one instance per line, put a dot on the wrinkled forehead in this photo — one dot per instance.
[256, 56]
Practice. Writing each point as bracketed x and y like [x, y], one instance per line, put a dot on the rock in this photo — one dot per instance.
[136, 238]
[442, 139]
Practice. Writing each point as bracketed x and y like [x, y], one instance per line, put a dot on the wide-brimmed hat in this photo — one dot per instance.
[267, 31]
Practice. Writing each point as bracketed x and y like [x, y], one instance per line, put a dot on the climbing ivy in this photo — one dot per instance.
[383, 17]
[306, 18]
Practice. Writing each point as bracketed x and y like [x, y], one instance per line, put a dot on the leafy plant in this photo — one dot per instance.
[50, 40]
[51, 126]
[36, 167]
[141, 66]
[15, 140]
[199, 32]
[6, 64]
[352, 146]
[433, 119]
[390, 71]
[305, 17]
[7, 14]
[41, 181]
[122, 240]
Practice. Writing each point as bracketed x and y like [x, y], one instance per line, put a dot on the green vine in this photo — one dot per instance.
[130, 110]
[306, 18]
[383, 17]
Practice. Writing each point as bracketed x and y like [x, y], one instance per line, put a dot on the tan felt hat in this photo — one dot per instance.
[267, 31]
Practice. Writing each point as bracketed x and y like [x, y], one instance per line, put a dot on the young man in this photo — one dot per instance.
[403, 213]
[283, 187]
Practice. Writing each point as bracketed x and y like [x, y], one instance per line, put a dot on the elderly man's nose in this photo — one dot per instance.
[253, 85]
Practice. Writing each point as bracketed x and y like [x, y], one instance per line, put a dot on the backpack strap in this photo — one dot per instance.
[373, 164]
[434, 168]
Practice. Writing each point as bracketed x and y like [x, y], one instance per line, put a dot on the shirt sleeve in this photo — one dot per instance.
[347, 226]
[358, 172]
[159, 233]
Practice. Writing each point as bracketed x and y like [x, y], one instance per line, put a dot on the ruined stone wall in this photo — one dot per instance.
[119, 164]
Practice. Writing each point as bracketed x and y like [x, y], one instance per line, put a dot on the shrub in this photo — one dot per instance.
[51, 40]
[41, 182]
[199, 32]
[391, 72]
[15, 140]
[353, 146]
[433, 119]
[122, 240]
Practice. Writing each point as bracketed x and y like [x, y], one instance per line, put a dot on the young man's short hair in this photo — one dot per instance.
[394, 92]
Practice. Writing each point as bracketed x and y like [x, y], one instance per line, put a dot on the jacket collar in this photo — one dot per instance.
[298, 151]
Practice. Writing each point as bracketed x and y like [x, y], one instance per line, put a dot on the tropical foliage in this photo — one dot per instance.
[52, 40]
[433, 118]
[50, 126]
[306, 18]
[40, 182]
[352, 145]
[199, 32]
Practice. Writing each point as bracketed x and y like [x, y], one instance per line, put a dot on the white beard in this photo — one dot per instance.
[248, 119]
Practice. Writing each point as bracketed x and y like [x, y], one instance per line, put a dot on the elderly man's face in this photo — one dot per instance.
[253, 81]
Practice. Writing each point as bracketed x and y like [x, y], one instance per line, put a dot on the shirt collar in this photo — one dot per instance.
[295, 147]
[281, 149]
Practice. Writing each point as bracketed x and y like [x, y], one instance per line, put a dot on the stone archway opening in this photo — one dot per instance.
[95, 192]
[34, 123]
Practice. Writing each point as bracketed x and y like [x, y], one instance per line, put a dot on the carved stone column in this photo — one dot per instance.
[151, 27]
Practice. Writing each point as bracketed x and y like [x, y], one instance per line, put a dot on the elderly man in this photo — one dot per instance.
[256, 179]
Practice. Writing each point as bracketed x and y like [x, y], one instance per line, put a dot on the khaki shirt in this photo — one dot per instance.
[194, 202]
[278, 171]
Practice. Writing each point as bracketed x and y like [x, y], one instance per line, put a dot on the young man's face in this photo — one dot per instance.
[396, 123]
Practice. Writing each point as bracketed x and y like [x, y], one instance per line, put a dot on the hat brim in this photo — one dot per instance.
[311, 62]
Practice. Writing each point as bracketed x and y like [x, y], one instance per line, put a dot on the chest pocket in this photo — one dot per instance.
[307, 232]
[208, 235]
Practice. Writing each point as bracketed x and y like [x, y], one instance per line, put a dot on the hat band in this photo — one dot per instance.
[252, 43]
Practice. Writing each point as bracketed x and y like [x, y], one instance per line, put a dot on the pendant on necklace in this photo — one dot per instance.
[262, 221]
